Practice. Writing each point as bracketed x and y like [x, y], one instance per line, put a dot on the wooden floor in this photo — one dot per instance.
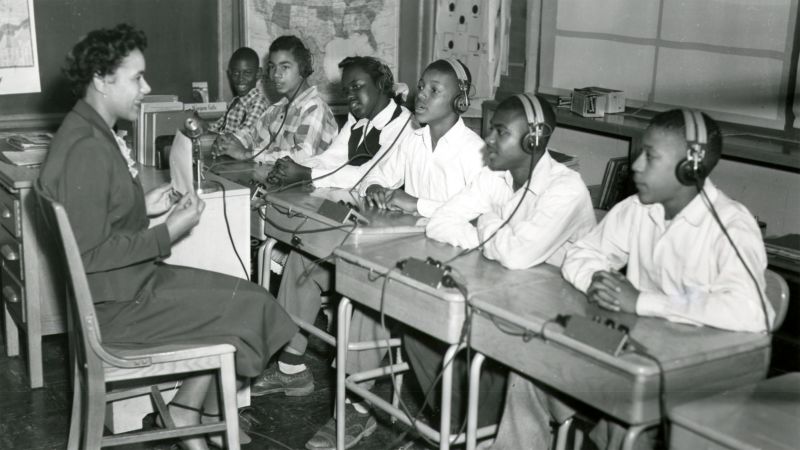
[39, 418]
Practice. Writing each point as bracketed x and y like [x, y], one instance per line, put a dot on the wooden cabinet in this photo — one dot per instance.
[32, 293]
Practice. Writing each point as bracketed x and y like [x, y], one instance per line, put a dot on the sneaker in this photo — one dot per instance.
[273, 381]
[357, 427]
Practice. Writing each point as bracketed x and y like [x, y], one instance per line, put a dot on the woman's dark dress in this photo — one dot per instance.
[138, 299]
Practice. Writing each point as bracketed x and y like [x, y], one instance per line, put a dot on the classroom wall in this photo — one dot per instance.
[772, 195]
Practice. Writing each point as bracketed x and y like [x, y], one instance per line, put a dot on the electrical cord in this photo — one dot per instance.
[710, 205]
[228, 228]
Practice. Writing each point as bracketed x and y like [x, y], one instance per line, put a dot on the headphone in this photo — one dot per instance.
[692, 170]
[536, 124]
[461, 101]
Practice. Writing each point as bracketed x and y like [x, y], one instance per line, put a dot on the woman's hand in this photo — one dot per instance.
[184, 216]
[160, 199]
[226, 144]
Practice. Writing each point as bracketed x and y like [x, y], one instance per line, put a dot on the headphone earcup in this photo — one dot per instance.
[686, 174]
[529, 142]
[460, 103]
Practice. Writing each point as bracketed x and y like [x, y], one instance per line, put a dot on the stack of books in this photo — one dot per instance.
[27, 149]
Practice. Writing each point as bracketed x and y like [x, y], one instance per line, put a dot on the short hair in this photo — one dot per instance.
[100, 53]
[293, 44]
[514, 104]
[377, 70]
[245, 54]
[442, 65]
[674, 121]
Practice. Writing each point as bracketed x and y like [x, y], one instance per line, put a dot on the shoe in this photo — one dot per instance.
[357, 427]
[273, 381]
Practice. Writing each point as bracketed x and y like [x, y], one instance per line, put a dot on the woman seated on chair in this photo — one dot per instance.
[138, 299]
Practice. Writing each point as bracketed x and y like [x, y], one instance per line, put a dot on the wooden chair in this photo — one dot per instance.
[777, 294]
[96, 365]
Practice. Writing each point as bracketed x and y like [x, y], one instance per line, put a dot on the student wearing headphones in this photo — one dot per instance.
[377, 119]
[680, 265]
[436, 161]
[529, 208]
[300, 124]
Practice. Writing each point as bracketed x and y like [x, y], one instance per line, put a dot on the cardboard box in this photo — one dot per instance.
[615, 99]
[588, 103]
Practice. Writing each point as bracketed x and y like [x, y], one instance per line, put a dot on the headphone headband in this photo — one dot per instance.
[696, 134]
[533, 109]
[458, 69]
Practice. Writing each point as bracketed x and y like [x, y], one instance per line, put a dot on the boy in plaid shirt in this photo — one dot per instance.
[249, 104]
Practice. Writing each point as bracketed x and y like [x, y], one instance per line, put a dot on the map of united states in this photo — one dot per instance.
[332, 30]
[16, 43]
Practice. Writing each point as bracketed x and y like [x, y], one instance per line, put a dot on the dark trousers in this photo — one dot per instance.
[426, 355]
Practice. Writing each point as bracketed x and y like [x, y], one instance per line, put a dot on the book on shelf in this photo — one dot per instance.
[32, 157]
[30, 141]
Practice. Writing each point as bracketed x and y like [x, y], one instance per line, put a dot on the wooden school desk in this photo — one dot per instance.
[761, 415]
[697, 361]
[437, 312]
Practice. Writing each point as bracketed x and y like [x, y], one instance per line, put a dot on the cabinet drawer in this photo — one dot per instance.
[13, 294]
[9, 212]
[11, 254]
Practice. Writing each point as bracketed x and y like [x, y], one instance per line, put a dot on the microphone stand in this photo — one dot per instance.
[202, 186]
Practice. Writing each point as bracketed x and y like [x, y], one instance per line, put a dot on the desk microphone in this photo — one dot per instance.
[192, 129]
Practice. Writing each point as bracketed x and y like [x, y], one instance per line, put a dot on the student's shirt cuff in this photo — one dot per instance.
[426, 207]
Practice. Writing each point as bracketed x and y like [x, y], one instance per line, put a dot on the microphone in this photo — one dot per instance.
[192, 129]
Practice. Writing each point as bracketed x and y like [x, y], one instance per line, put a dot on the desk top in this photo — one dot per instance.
[305, 201]
[761, 415]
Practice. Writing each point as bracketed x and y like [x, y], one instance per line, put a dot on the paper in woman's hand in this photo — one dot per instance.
[180, 164]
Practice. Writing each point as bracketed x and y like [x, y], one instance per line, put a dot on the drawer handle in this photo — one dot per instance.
[8, 253]
[6, 213]
[10, 295]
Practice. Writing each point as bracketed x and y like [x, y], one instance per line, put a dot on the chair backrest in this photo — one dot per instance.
[778, 294]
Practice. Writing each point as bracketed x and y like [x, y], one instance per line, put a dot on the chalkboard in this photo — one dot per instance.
[182, 47]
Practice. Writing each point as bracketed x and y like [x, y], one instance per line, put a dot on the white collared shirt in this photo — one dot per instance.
[686, 269]
[337, 154]
[433, 176]
[556, 211]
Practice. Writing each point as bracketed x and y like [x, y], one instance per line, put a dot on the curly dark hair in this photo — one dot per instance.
[379, 72]
[100, 53]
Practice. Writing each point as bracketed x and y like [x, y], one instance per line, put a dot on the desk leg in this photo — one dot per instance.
[35, 367]
[342, 342]
[472, 409]
[12, 333]
[264, 258]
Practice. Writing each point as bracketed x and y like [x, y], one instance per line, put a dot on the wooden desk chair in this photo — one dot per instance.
[95, 364]
[777, 294]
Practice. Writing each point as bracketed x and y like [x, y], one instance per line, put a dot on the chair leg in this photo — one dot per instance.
[398, 382]
[77, 410]
[563, 434]
[227, 381]
[95, 418]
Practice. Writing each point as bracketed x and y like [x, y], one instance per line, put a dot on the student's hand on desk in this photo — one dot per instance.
[287, 171]
[226, 144]
[185, 215]
[159, 200]
[613, 291]
[402, 201]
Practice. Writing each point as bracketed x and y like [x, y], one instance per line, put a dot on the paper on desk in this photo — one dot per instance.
[180, 163]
